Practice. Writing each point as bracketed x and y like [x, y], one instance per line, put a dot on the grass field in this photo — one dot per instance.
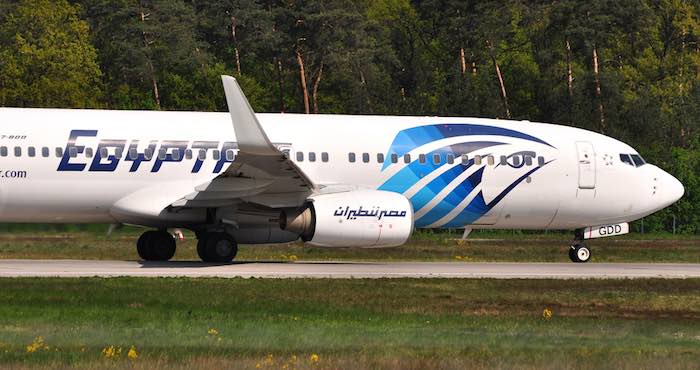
[403, 323]
[424, 246]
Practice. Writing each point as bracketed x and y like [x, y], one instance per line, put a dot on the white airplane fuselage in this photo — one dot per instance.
[520, 175]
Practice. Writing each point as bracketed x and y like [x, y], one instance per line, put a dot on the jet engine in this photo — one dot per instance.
[359, 218]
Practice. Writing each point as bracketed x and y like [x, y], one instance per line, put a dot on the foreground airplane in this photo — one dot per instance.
[333, 181]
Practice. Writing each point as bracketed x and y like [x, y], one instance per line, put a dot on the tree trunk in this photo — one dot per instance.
[151, 68]
[598, 91]
[280, 82]
[502, 85]
[317, 81]
[302, 78]
[462, 61]
[234, 23]
[569, 71]
[363, 82]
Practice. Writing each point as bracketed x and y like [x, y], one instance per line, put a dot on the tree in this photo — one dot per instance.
[46, 58]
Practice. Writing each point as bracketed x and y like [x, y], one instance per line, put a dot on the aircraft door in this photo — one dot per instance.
[586, 165]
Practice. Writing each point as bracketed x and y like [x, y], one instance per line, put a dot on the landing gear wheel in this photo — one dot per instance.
[217, 247]
[156, 246]
[579, 253]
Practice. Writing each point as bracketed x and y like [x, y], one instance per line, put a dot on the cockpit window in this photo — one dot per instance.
[638, 160]
[634, 160]
[625, 158]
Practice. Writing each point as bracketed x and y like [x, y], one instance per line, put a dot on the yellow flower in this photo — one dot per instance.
[213, 331]
[111, 352]
[547, 314]
[314, 358]
[132, 355]
[36, 345]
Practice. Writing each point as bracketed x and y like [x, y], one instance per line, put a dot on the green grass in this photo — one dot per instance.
[393, 323]
[424, 246]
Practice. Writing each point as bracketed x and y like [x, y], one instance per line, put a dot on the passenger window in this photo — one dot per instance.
[217, 155]
[477, 160]
[465, 159]
[312, 156]
[18, 151]
[436, 158]
[490, 160]
[407, 158]
[201, 156]
[394, 158]
[324, 157]
[351, 157]
[3, 151]
[504, 160]
[450, 159]
[528, 160]
[365, 157]
[59, 152]
[380, 158]
[230, 155]
[540, 161]
[88, 152]
[300, 156]
[118, 153]
[31, 151]
[516, 161]
[421, 158]
[73, 152]
[625, 158]
[177, 156]
[104, 153]
[45, 152]
[148, 154]
[188, 154]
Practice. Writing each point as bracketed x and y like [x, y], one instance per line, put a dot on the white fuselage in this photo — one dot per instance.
[516, 175]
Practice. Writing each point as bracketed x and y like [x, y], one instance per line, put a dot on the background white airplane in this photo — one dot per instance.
[334, 181]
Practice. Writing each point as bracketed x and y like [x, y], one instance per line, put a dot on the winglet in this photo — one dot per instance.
[249, 134]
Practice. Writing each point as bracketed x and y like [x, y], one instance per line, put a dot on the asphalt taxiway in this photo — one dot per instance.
[344, 270]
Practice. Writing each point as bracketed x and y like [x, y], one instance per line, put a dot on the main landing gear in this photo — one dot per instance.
[579, 251]
[216, 247]
[156, 246]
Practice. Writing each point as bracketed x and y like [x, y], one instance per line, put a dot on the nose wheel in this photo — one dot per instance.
[579, 252]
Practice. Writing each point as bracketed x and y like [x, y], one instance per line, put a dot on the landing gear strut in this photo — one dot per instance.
[217, 247]
[156, 246]
[579, 251]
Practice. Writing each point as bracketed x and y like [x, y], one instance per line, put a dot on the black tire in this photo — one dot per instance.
[219, 248]
[579, 253]
[163, 246]
[201, 246]
[156, 246]
[143, 245]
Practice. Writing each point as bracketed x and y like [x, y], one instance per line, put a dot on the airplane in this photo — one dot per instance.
[329, 180]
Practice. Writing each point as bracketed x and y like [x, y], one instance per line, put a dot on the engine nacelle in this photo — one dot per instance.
[360, 218]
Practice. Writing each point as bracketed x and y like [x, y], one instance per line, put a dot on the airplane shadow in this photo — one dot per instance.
[200, 264]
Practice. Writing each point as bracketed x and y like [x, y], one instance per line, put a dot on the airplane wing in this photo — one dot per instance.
[260, 173]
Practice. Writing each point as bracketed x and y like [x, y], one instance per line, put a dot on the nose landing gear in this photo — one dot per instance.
[579, 251]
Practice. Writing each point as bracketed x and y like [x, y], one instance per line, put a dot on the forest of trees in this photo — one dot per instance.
[625, 68]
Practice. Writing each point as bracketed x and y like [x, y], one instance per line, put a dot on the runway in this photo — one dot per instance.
[346, 270]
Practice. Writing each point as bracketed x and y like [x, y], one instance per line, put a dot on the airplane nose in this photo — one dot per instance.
[671, 190]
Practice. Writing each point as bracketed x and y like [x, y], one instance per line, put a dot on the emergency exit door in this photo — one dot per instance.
[586, 165]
